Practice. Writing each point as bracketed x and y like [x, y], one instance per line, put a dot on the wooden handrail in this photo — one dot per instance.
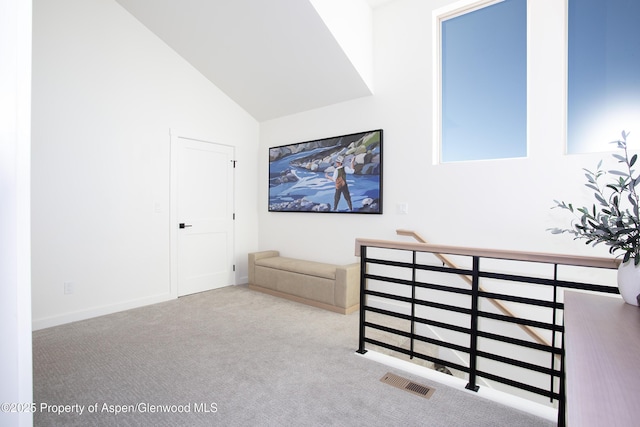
[575, 260]
[438, 250]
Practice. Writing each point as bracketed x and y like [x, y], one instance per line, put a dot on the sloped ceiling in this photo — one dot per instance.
[272, 57]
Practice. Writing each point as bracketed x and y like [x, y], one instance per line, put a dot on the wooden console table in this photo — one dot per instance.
[602, 361]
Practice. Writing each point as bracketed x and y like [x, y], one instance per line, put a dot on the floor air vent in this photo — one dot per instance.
[405, 384]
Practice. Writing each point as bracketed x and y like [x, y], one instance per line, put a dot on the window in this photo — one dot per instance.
[603, 72]
[483, 82]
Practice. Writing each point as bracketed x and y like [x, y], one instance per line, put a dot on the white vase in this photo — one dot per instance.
[629, 282]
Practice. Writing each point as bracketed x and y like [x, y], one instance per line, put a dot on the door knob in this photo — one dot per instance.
[183, 225]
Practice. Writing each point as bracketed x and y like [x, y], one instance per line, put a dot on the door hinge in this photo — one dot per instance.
[234, 216]
[234, 163]
[234, 267]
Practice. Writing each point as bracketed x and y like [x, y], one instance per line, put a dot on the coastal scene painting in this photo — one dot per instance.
[341, 174]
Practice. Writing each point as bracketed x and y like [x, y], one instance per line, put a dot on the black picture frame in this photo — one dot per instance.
[308, 176]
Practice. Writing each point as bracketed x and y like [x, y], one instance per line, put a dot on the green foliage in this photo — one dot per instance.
[614, 219]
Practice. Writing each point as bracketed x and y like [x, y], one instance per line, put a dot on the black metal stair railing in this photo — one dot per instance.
[472, 309]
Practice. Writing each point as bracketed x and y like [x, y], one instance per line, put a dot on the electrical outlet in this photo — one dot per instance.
[68, 288]
[402, 208]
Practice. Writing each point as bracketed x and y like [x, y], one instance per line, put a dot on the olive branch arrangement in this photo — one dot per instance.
[614, 219]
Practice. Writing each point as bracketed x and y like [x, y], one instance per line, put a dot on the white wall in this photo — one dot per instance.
[501, 204]
[350, 23]
[106, 92]
[15, 276]
[101, 118]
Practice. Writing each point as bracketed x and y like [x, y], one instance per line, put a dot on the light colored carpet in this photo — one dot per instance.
[249, 358]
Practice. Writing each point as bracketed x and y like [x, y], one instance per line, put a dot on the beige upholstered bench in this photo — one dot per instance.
[328, 286]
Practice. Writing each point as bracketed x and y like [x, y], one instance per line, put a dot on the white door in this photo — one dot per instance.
[204, 215]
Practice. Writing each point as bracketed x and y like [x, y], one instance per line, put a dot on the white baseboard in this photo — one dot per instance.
[525, 405]
[48, 322]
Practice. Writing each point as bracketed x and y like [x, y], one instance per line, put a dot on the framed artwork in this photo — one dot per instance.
[342, 174]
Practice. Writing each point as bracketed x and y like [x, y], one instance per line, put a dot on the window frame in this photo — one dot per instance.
[438, 17]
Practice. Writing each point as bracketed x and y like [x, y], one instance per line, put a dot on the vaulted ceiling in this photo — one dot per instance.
[272, 57]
